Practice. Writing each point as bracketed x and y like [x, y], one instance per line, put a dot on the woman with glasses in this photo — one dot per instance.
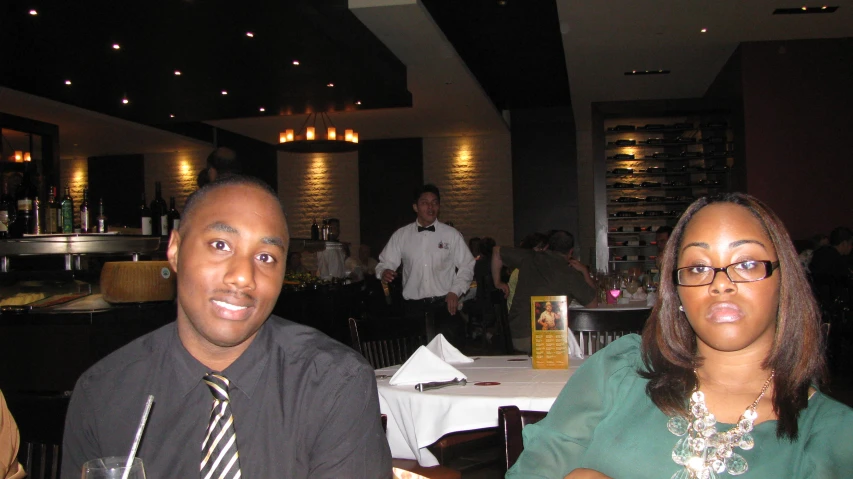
[725, 379]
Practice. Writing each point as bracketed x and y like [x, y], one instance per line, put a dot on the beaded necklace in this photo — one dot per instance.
[703, 451]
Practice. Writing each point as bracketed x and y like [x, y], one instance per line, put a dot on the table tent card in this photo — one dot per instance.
[442, 348]
[549, 319]
[424, 367]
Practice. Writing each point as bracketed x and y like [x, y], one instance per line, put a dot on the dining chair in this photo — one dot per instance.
[40, 416]
[411, 465]
[387, 341]
[41, 461]
[596, 329]
[511, 421]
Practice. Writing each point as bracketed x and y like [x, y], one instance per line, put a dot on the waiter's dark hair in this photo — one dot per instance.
[561, 241]
[669, 342]
[234, 180]
[427, 188]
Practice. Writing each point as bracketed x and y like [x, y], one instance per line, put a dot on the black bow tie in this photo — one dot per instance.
[426, 228]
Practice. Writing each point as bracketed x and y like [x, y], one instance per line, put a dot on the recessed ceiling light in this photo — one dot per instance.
[125, 101]
[250, 34]
[171, 116]
[330, 85]
[33, 12]
[805, 9]
[177, 73]
[68, 82]
[296, 62]
[704, 30]
[262, 109]
[224, 92]
[647, 72]
[116, 46]
[358, 103]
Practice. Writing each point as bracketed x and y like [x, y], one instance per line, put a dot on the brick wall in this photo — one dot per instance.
[474, 175]
[177, 172]
[73, 172]
[316, 186]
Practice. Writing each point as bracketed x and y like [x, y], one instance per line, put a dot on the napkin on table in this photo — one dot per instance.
[442, 348]
[424, 367]
[575, 350]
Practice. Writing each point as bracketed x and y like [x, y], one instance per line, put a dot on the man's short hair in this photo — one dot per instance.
[534, 240]
[561, 241]
[840, 235]
[234, 180]
[224, 161]
[427, 188]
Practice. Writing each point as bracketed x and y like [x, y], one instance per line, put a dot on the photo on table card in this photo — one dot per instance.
[549, 317]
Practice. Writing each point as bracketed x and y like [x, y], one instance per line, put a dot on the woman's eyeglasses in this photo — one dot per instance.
[743, 272]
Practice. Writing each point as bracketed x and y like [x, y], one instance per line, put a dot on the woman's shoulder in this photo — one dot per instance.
[823, 427]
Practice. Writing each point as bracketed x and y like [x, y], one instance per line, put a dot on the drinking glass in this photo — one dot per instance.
[649, 283]
[614, 289]
[112, 468]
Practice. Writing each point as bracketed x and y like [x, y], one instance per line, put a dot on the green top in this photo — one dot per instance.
[603, 420]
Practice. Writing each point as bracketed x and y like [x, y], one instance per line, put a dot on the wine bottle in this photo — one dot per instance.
[51, 223]
[145, 218]
[159, 213]
[315, 230]
[84, 211]
[24, 197]
[67, 208]
[174, 216]
[102, 220]
[7, 211]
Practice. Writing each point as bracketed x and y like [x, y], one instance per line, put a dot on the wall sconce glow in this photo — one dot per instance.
[125, 101]
[331, 133]
[348, 135]
[177, 73]
[116, 46]
[309, 133]
[68, 82]
[185, 167]
[33, 12]
[250, 34]
[19, 156]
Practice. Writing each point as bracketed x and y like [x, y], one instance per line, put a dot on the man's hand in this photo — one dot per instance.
[388, 275]
[503, 287]
[579, 266]
[586, 474]
[452, 303]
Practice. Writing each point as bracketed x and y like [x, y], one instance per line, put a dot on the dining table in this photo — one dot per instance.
[419, 419]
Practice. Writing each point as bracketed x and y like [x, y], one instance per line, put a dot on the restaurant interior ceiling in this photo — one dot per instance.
[388, 68]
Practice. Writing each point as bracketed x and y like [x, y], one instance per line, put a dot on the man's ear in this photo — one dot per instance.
[172, 250]
[415, 207]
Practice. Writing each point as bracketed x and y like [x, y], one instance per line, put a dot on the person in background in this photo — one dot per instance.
[437, 266]
[831, 263]
[534, 241]
[294, 263]
[725, 379]
[815, 242]
[368, 262]
[221, 163]
[285, 399]
[553, 272]
[353, 268]
[10, 440]
[474, 247]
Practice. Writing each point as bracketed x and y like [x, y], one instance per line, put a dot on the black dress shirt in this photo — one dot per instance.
[304, 406]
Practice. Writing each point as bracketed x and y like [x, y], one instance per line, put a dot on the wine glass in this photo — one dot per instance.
[633, 285]
[649, 283]
[614, 289]
[112, 468]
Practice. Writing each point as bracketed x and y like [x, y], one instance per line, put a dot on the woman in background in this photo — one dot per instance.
[725, 379]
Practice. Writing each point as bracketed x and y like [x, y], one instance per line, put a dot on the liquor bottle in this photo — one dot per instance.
[102, 220]
[52, 222]
[159, 213]
[24, 197]
[67, 208]
[324, 231]
[84, 212]
[7, 211]
[35, 222]
[174, 216]
[145, 218]
[315, 230]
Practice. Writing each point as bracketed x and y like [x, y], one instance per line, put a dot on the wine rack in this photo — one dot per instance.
[656, 167]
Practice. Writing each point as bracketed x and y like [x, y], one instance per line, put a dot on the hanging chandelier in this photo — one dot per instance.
[311, 139]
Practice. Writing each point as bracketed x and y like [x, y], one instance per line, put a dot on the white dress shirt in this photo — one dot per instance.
[430, 261]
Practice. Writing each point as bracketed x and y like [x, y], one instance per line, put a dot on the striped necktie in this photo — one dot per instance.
[219, 458]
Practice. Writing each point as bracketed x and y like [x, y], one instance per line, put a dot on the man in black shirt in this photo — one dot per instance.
[831, 263]
[303, 405]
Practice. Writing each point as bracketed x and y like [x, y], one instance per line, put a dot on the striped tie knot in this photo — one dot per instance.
[218, 385]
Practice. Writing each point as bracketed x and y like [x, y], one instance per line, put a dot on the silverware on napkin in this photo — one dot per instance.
[440, 384]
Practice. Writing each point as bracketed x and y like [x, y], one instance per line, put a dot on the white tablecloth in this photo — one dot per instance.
[416, 420]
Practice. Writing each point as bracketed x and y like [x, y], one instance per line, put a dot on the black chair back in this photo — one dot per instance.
[387, 341]
[41, 419]
[511, 421]
[596, 329]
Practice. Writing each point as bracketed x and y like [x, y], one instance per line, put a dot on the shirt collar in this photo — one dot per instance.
[244, 373]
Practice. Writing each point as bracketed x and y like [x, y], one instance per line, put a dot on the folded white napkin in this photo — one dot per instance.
[424, 367]
[442, 348]
[575, 350]
[404, 474]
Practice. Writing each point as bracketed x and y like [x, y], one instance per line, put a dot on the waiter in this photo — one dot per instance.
[437, 267]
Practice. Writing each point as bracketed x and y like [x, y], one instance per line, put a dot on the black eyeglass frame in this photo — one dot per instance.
[768, 265]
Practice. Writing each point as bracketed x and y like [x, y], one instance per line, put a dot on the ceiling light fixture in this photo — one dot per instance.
[68, 82]
[647, 72]
[704, 30]
[116, 46]
[358, 103]
[125, 101]
[330, 85]
[33, 12]
[805, 10]
[305, 140]
[250, 34]
[171, 116]
[262, 109]
[177, 73]
[224, 92]
[296, 62]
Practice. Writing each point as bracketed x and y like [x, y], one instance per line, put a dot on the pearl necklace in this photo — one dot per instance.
[703, 451]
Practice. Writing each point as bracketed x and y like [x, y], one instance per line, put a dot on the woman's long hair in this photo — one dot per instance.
[669, 342]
